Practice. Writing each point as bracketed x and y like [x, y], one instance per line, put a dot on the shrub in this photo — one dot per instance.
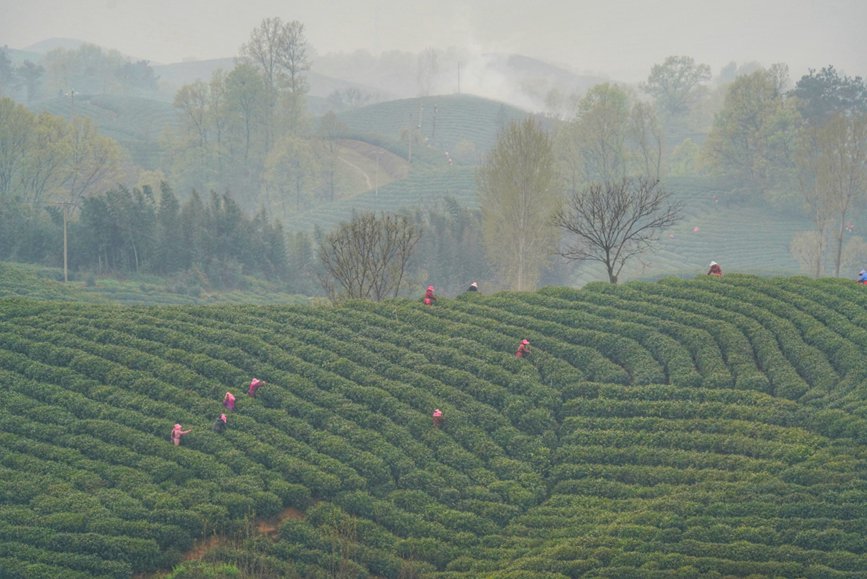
[203, 570]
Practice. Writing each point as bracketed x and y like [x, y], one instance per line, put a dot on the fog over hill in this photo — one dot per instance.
[516, 79]
[620, 39]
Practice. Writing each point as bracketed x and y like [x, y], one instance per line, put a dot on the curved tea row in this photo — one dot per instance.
[704, 427]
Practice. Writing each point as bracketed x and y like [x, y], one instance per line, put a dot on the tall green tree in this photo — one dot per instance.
[833, 169]
[611, 137]
[825, 93]
[168, 258]
[16, 127]
[245, 116]
[518, 195]
[753, 136]
[676, 83]
[93, 162]
[601, 129]
[193, 159]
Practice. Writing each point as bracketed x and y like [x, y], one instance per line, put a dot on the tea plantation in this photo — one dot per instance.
[682, 428]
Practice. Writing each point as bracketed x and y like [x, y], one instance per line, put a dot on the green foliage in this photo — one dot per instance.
[201, 570]
[679, 428]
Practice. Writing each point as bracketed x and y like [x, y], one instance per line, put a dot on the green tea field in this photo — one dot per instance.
[678, 428]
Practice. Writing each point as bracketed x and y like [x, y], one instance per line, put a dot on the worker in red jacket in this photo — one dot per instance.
[229, 401]
[523, 349]
[715, 269]
[429, 297]
[255, 383]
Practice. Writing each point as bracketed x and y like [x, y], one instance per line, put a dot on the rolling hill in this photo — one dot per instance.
[706, 427]
[443, 123]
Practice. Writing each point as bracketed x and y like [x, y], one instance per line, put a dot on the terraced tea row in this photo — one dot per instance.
[705, 427]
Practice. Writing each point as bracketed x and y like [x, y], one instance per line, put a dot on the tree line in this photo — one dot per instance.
[127, 231]
[86, 69]
[209, 242]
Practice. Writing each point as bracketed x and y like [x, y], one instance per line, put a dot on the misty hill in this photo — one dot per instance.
[466, 126]
[515, 79]
[450, 135]
[713, 427]
[49, 44]
[175, 75]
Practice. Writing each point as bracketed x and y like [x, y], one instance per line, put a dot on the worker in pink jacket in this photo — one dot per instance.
[229, 401]
[255, 383]
[429, 297]
[523, 349]
[437, 418]
[177, 432]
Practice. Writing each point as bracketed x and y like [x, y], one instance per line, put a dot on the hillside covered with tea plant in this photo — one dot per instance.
[705, 427]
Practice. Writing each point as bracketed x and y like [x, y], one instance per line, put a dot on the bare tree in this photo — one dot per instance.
[617, 221]
[367, 257]
[263, 50]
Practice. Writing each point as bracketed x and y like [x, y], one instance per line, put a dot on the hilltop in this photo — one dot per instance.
[706, 427]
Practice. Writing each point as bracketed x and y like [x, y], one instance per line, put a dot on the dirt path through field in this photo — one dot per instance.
[360, 170]
[268, 527]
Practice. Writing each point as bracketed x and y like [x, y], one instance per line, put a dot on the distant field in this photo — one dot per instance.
[702, 428]
[421, 188]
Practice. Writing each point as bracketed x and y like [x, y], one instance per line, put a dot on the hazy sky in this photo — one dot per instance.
[619, 38]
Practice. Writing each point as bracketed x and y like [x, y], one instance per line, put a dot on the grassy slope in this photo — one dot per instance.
[44, 283]
[704, 427]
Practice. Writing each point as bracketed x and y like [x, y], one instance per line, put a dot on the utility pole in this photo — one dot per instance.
[409, 137]
[433, 133]
[376, 175]
[65, 205]
[65, 246]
